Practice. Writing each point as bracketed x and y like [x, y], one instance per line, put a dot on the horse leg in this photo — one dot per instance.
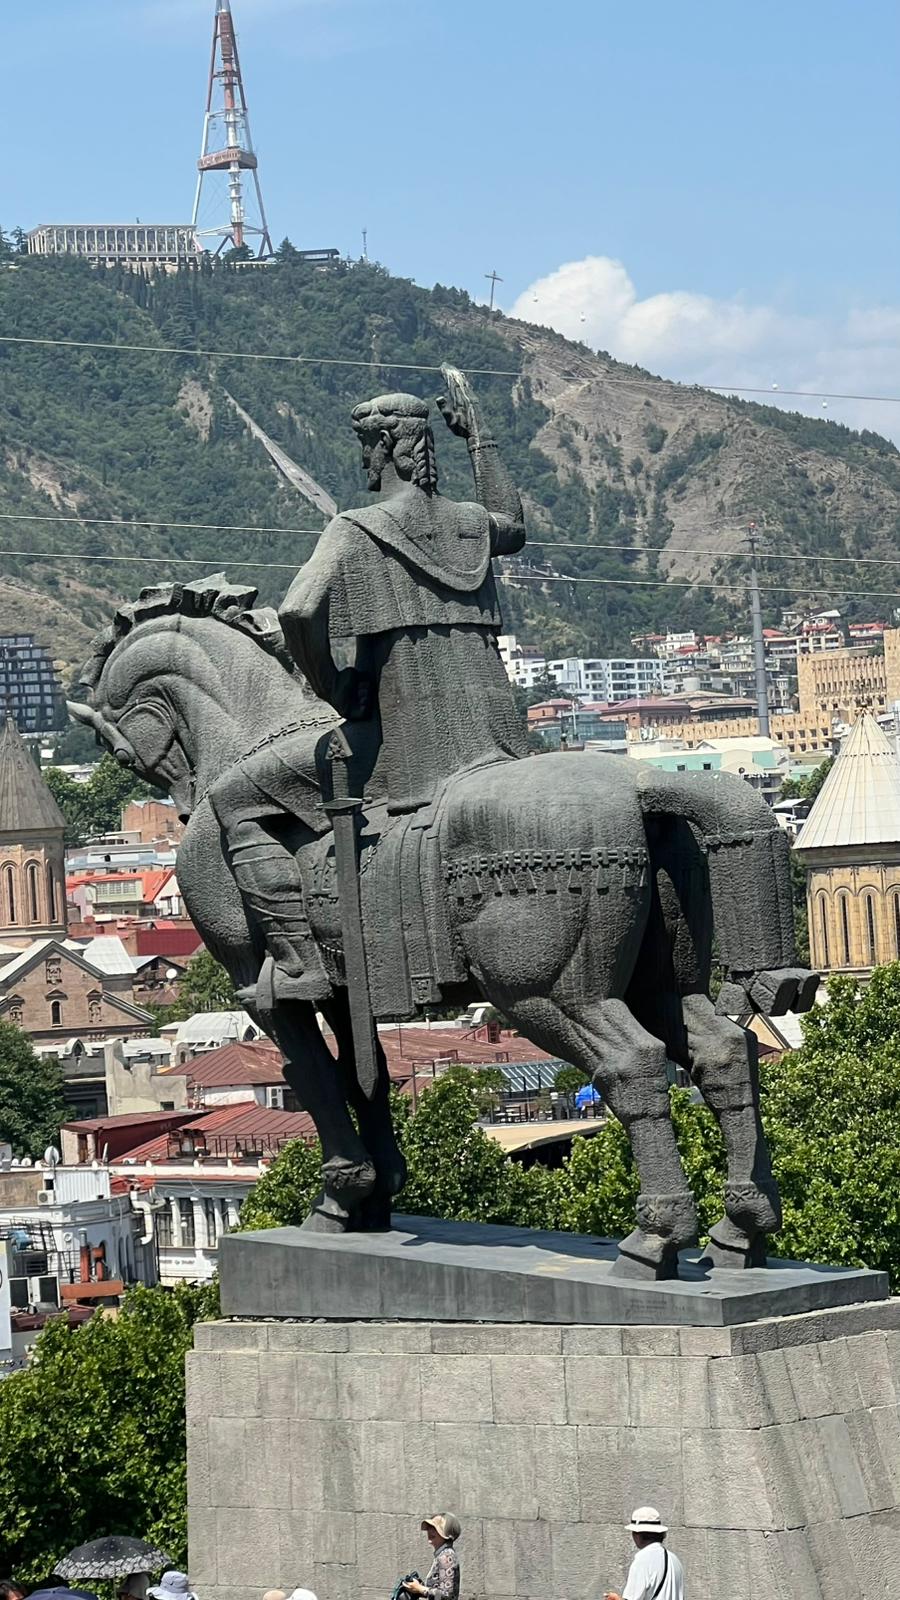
[628, 1067]
[376, 1125]
[348, 1174]
[724, 1062]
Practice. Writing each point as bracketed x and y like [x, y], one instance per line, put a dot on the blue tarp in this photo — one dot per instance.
[587, 1096]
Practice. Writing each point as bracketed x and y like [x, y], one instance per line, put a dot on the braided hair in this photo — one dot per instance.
[404, 419]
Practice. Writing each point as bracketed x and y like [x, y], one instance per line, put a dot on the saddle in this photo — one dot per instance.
[412, 954]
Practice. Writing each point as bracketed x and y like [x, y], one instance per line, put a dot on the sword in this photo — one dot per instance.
[344, 810]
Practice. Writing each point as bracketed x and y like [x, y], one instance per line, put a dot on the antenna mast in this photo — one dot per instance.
[759, 643]
[228, 148]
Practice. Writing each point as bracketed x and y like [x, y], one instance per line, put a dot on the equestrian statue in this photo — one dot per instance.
[367, 838]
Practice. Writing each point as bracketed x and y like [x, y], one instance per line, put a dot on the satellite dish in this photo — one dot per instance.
[52, 1157]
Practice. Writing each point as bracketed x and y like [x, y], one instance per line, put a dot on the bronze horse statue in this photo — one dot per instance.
[576, 894]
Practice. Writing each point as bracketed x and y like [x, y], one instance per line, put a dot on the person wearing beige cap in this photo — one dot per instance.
[655, 1572]
[442, 1578]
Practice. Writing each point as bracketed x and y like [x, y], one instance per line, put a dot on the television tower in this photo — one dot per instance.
[228, 148]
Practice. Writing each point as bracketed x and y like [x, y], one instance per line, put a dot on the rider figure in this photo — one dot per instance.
[410, 580]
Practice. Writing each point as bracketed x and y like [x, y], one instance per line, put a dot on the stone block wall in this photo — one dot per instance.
[772, 1450]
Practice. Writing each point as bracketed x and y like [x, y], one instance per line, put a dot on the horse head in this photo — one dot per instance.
[187, 678]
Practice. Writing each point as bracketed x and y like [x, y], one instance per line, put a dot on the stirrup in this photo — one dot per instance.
[273, 984]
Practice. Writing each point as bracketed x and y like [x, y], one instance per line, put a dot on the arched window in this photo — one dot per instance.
[823, 927]
[896, 899]
[9, 893]
[870, 928]
[52, 905]
[32, 892]
[844, 902]
[56, 1013]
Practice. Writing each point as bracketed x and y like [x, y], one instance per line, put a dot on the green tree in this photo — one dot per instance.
[95, 807]
[92, 1434]
[485, 1084]
[31, 1098]
[832, 1114]
[456, 1169]
[806, 788]
[284, 1194]
[599, 1184]
[205, 986]
[569, 1080]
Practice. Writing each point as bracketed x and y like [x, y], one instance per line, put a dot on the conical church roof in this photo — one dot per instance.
[859, 802]
[26, 804]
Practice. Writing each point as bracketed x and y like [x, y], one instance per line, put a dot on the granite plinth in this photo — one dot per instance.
[772, 1450]
[424, 1269]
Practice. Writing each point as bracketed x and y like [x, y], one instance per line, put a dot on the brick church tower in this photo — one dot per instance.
[850, 847]
[32, 861]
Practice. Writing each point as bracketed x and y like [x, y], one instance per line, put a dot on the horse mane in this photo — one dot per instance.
[214, 596]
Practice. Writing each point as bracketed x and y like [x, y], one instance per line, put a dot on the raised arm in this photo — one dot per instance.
[494, 488]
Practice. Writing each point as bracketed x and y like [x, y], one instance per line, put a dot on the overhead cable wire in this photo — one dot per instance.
[138, 522]
[243, 527]
[698, 583]
[773, 392]
[250, 355]
[509, 577]
[544, 544]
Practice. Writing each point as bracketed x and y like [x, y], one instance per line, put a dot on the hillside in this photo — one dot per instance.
[606, 455]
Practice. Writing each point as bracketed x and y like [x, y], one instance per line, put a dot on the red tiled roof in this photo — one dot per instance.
[135, 1119]
[155, 881]
[234, 1064]
[408, 1050]
[243, 1123]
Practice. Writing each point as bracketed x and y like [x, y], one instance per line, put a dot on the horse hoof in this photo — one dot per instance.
[806, 992]
[732, 1249]
[640, 1256]
[666, 1222]
[322, 1220]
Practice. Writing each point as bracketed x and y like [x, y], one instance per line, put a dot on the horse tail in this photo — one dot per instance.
[748, 857]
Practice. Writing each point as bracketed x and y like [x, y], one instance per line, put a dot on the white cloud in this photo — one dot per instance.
[700, 339]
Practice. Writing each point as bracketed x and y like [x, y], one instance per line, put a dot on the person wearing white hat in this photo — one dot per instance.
[655, 1572]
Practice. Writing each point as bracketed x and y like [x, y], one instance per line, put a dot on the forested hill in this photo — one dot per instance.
[605, 455]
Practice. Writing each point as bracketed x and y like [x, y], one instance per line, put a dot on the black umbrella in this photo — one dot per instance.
[113, 1557]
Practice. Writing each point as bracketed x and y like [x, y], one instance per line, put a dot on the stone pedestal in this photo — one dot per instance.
[771, 1447]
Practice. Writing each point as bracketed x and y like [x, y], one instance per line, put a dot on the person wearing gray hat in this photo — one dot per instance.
[655, 1572]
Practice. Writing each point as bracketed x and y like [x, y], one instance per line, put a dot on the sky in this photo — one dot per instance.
[707, 189]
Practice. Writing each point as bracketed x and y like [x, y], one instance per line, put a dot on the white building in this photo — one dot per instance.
[68, 1239]
[209, 1030]
[603, 678]
[165, 243]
